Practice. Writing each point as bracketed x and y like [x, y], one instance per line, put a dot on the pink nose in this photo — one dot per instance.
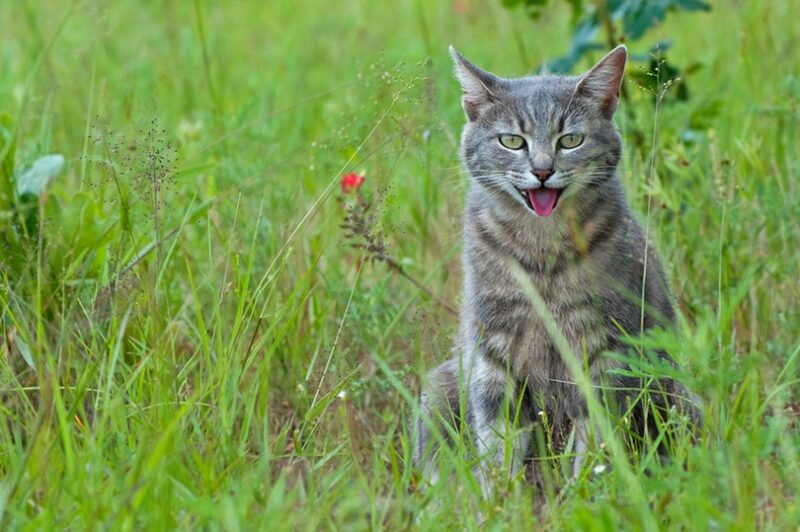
[542, 173]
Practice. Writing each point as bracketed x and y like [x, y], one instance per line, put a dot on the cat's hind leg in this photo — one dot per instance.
[440, 409]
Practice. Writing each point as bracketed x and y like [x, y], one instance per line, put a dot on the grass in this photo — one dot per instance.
[188, 341]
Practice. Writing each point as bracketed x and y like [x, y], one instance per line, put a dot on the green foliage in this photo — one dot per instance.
[19, 200]
[8, 150]
[535, 8]
[188, 341]
[619, 21]
[31, 182]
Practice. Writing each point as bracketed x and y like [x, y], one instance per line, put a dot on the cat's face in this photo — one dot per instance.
[534, 142]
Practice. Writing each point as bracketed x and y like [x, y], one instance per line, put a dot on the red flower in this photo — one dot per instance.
[351, 181]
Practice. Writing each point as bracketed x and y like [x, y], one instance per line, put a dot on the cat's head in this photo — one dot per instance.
[540, 140]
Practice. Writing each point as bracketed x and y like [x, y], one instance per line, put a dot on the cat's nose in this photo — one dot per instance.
[542, 174]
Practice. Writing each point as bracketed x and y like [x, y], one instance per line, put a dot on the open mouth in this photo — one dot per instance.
[541, 200]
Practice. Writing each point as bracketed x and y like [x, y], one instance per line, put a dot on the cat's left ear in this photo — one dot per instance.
[603, 82]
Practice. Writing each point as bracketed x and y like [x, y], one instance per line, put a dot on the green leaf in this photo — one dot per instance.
[583, 42]
[639, 16]
[25, 351]
[662, 78]
[577, 9]
[35, 179]
[8, 145]
[8, 150]
[704, 115]
[692, 5]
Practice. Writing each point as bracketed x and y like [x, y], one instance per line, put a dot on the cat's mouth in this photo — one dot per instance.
[541, 200]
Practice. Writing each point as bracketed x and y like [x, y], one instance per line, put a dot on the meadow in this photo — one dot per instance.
[190, 339]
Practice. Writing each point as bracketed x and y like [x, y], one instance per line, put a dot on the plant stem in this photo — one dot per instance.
[394, 265]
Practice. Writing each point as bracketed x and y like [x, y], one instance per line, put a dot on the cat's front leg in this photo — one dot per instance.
[582, 440]
[586, 437]
[439, 408]
[501, 443]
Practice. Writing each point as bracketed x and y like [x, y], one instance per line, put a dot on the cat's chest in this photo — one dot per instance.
[504, 260]
[573, 311]
[571, 297]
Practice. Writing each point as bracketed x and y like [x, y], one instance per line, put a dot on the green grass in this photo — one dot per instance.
[251, 370]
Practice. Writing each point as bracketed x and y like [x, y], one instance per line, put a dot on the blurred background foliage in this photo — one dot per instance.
[188, 340]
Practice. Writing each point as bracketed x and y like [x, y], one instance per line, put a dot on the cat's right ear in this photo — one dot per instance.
[476, 84]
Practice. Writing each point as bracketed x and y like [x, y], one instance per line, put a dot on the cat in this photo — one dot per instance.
[544, 199]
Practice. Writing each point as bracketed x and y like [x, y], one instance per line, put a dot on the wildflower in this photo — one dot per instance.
[351, 181]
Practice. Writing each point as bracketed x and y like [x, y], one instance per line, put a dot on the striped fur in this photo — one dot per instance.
[587, 259]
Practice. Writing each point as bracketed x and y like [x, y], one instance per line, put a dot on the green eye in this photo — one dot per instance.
[570, 140]
[512, 142]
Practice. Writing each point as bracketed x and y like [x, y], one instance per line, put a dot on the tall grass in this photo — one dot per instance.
[188, 340]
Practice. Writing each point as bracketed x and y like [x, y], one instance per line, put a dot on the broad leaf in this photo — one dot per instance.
[35, 179]
[25, 351]
[583, 41]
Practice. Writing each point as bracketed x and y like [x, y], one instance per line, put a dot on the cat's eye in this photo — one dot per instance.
[570, 140]
[512, 142]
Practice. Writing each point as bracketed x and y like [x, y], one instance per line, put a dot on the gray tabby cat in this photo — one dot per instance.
[542, 153]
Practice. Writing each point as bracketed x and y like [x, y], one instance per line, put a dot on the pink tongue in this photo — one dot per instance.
[543, 200]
